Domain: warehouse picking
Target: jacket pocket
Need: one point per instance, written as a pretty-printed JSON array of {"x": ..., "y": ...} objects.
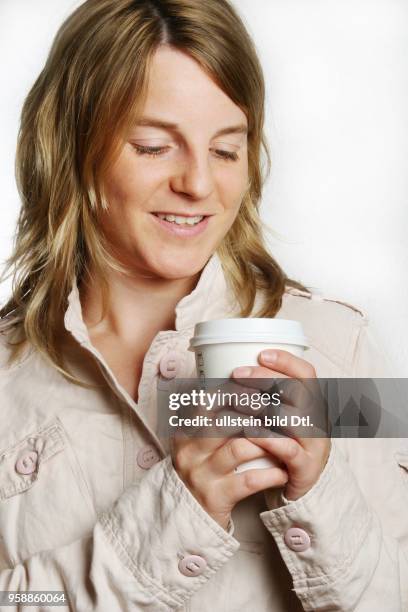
[
  {"x": 44, "y": 498},
  {"x": 21, "y": 463}
]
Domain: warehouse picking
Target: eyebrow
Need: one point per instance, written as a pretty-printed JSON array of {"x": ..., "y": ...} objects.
[{"x": 166, "y": 125}]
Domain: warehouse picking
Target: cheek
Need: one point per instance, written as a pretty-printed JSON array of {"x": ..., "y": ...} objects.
[
  {"x": 129, "y": 182},
  {"x": 233, "y": 190}
]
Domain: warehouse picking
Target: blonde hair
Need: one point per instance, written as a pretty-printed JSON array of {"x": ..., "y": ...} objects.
[{"x": 90, "y": 91}]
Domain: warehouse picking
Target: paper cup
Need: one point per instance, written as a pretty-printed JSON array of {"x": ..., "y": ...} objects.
[{"x": 221, "y": 345}]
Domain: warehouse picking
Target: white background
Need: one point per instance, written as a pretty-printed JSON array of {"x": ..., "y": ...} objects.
[{"x": 337, "y": 124}]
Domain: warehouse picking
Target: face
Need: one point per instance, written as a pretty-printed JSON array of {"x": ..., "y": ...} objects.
[{"x": 178, "y": 183}]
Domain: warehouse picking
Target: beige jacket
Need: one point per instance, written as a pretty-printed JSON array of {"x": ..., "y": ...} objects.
[{"x": 91, "y": 504}]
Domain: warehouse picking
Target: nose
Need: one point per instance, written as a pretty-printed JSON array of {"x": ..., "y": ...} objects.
[{"x": 193, "y": 177}]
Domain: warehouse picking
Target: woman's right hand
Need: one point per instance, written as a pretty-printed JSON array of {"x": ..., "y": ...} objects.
[{"x": 206, "y": 466}]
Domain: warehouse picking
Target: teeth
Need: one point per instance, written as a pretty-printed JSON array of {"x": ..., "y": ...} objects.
[{"x": 181, "y": 220}]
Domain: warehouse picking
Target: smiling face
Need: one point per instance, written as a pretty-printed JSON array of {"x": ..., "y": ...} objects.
[{"x": 186, "y": 157}]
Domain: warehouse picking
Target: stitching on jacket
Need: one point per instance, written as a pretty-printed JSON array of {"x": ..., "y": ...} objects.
[
  {"x": 313, "y": 582},
  {"x": 126, "y": 558},
  {"x": 312, "y": 592},
  {"x": 55, "y": 443},
  {"x": 298, "y": 572},
  {"x": 334, "y": 358},
  {"x": 180, "y": 593},
  {"x": 325, "y": 348},
  {"x": 310, "y": 295},
  {"x": 353, "y": 346},
  {"x": 79, "y": 475},
  {"x": 50, "y": 431},
  {"x": 347, "y": 305}
]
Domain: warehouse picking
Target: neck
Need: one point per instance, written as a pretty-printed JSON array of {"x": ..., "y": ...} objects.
[{"x": 136, "y": 303}]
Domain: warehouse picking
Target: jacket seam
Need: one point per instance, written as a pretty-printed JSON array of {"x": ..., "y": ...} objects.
[
  {"x": 6, "y": 369},
  {"x": 352, "y": 346},
  {"x": 291, "y": 512},
  {"x": 309, "y": 596},
  {"x": 331, "y": 356},
  {"x": 75, "y": 463},
  {"x": 53, "y": 430},
  {"x": 126, "y": 558},
  {"x": 315, "y": 583}
]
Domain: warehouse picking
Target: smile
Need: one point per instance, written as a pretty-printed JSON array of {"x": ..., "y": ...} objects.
[
  {"x": 179, "y": 225},
  {"x": 181, "y": 220}
]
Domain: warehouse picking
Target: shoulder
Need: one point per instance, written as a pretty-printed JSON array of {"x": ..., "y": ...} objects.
[
  {"x": 320, "y": 313},
  {"x": 5, "y": 349},
  {"x": 29, "y": 390},
  {"x": 18, "y": 379},
  {"x": 8, "y": 339},
  {"x": 319, "y": 301},
  {"x": 334, "y": 328}
]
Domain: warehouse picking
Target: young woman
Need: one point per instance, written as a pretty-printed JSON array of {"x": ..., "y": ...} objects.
[{"x": 139, "y": 168}]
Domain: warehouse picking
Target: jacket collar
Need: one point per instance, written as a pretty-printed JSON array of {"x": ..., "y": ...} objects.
[{"x": 210, "y": 298}]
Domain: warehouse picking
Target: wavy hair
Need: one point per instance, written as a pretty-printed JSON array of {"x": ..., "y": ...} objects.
[{"x": 89, "y": 92}]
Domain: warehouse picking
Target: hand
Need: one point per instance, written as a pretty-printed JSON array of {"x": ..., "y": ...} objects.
[
  {"x": 304, "y": 458},
  {"x": 206, "y": 465}
]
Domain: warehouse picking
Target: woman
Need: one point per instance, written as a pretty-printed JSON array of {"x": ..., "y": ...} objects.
[{"x": 139, "y": 172}]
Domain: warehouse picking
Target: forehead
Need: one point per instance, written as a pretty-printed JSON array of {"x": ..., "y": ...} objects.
[{"x": 181, "y": 91}]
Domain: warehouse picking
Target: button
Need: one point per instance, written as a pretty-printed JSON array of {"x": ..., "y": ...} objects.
[
  {"x": 147, "y": 456},
  {"x": 192, "y": 565},
  {"x": 27, "y": 463},
  {"x": 169, "y": 364},
  {"x": 297, "y": 539}
]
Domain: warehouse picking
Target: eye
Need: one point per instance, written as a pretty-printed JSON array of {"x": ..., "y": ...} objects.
[
  {"x": 152, "y": 151},
  {"x": 227, "y": 155},
  {"x": 156, "y": 151}
]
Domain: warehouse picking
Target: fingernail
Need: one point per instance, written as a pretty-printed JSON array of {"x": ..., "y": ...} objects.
[
  {"x": 269, "y": 356},
  {"x": 243, "y": 371}
]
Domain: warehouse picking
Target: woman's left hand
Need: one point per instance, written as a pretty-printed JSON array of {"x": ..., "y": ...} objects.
[{"x": 304, "y": 458}]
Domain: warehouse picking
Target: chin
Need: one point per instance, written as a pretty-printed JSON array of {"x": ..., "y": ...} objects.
[{"x": 181, "y": 267}]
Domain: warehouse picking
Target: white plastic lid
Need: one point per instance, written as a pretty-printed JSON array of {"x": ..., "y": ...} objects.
[{"x": 279, "y": 331}]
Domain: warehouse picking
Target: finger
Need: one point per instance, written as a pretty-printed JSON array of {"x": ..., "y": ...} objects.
[
  {"x": 289, "y": 364},
  {"x": 281, "y": 390},
  {"x": 243, "y": 399},
  {"x": 251, "y": 400},
  {"x": 299, "y": 422},
  {"x": 286, "y": 363},
  {"x": 206, "y": 440},
  {"x": 314, "y": 446},
  {"x": 259, "y": 377},
  {"x": 242, "y": 484},
  {"x": 195, "y": 398},
  {"x": 297, "y": 393},
  {"x": 233, "y": 453},
  {"x": 256, "y": 377},
  {"x": 285, "y": 449}
]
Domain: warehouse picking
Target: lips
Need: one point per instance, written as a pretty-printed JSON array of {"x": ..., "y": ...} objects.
[
  {"x": 180, "y": 214},
  {"x": 180, "y": 220},
  {"x": 181, "y": 230}
]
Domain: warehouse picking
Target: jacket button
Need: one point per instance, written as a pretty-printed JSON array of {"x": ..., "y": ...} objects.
[
  {"x": 147, "y": 456},
  {"x": 297, "y": 539},
  {"x": 169, "y": 364},
  {"x": 192, "y": 565},
  {"x": 27, "y": 463}
]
